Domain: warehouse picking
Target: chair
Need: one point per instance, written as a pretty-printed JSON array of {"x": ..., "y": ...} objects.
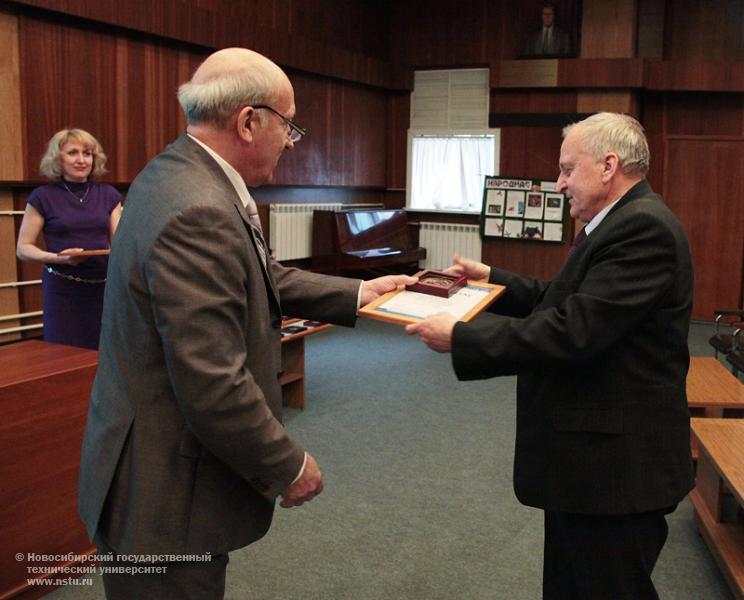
[
  {"x": 723, "y": 339},
  {"x": 735, "y": 356}
]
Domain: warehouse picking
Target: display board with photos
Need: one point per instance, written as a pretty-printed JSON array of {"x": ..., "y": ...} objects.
[{"x": 527, "y": 209}]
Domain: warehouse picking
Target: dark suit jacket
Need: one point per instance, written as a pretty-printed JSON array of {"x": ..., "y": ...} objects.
[
  {"x": 559, "y": 45},
  {"x": 184, "y": 440},
  {"x": 601, "y": 354}
]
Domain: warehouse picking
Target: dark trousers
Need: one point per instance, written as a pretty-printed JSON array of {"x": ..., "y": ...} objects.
[
  {"x": 601, "y": 557},
  {"x": 174, "y": 580}
]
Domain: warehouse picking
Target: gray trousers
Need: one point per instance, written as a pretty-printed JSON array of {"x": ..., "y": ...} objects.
[{"x": 182, "y": 580}]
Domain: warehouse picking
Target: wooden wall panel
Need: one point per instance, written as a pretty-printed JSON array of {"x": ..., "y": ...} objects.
[
  {"x": 704, "y": 185},
  {"x": 347, "y": 139},
  {"x": 530, "y": 152},
  {"x": 608, "y": 29},
  {"x": 538, "y": 101},
  {"x": 440, "y": 33},
  {"x": 710, "y": 30},
  {"x": 69, "y": 81},
  {"x": 314, "y": 36},
  {"x": 399, "y": 121},
  {"x": 11, "y": 158},
  {"x": 140, "y": 115}
]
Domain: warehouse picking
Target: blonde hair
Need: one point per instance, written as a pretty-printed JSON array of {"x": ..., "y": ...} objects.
[
  {"x": 51, "y": 165},
  {"x": 614, "y": 132}
]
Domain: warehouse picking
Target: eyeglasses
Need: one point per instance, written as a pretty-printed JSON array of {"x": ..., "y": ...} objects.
[{"x": 295, "y": 131}]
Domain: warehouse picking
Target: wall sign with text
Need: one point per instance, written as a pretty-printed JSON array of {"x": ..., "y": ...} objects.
[{"x": 527, "y": 209}]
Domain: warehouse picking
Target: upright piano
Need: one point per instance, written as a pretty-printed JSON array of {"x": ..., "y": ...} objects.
[{"x": 360, "y": 240}]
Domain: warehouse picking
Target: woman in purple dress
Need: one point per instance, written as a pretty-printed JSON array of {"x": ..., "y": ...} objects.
[{"x": 74, "y": 213}]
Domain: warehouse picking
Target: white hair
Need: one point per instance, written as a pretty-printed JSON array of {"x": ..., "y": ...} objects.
[
  {"x": 613, "y": 132},
  {"x": 213, "y": 101}
]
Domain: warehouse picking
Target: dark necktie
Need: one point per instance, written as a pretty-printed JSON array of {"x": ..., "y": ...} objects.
[{"x": 580, "y": 237}]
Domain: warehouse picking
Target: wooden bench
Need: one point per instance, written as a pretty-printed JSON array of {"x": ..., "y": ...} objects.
[
  {"x": 712, "y": 391},
  {"x": 718, "y": 497}
]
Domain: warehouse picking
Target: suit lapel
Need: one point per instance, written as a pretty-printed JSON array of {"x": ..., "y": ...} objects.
[{"x": 188, "y": 146}]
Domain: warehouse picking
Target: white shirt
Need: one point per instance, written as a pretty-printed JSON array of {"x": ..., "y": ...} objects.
[{"x": 599, "y": 217}]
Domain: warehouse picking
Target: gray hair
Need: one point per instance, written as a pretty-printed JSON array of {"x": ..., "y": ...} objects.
[
  {"x": 613, "y": 132},
  {"x": 214, "y": 101}
]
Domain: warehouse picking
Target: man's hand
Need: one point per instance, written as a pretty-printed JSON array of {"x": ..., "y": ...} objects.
[
  {"x": 309, "y": 485},
  {"x": 472, "y": 269},
  {"x": 435, "y": 332},
  {"x": 374, "y": 288}
]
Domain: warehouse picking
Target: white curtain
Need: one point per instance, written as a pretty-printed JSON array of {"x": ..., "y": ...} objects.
[{"x": 447, "y": 172}]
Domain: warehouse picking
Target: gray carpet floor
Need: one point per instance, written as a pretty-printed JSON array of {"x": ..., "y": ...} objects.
[{"x": 418, "y": 501}]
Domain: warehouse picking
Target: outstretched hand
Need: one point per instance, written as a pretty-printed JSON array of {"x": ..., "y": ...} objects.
[
  {"x": 472, "y": 269},
  {"x": 435, "y": 331},
  {"x": 374, "y": 288}
]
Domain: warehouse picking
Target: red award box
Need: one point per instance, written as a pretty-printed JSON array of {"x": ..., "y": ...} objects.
[{"x": 438, "y": 283}]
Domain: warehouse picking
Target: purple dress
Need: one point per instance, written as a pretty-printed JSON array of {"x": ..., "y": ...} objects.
[{"x": 78, "y": 218}]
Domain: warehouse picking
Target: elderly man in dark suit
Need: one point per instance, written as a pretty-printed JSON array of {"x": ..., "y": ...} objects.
[
  {"x": 184, "y": 452},
  {"x": 601, "y": 356}
]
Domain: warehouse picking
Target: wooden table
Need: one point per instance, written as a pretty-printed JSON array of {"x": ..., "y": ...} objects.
[
  {"x": 293, "y": 362},
  {"x": 711, "y": 389},
  {"x": 718, "y": 497},
  {"x": 44, "y": 391}
]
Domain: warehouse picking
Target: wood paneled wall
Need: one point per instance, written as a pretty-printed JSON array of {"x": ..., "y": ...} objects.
[
  {"x": 120, "y": 88},
  {"x": 113, "y": 68},
  {"x": 347, "y": 40}
]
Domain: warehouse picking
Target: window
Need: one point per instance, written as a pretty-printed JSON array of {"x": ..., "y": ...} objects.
[{"x": 446, "y": 170}]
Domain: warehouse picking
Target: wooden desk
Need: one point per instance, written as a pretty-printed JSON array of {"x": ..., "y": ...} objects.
[
  {"x": 711, "y": 389},
  {"x": 44, "y": 391},
  {"x": 719, "y": 484},
  {"x": 293, "y": 363}
]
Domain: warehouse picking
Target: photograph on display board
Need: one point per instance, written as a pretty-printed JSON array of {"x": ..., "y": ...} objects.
[
  {"x": 494, "y": 227},
  {"x": 522, "y": 208},
  {"x": 533, "y": 230},
  {"x": 513, "y": 228},
  {"x": 553, "y": 232},
  {"x": 554, "y": 207},
  {"x": 534, "y": 208},
  {"x": 514, "y": 203},
  {"x": 495, "y": 200}
]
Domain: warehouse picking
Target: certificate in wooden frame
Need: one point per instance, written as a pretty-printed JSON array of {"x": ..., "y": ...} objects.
[{"x": 380, "y": 309}]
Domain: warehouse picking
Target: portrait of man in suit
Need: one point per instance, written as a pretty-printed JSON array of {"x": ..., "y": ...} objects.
[
  {"x": 601, "y": 358},
  {"x": 184, "y": 451},
  {"x": 550, "y": 39}
]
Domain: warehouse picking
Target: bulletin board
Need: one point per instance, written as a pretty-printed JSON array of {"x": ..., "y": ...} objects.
[{"x": 525, "y": 209}]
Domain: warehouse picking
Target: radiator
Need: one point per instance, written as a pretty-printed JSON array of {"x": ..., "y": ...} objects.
[
  {"x": 443, "y": 240},
  {"x": 291, "y": 229}
]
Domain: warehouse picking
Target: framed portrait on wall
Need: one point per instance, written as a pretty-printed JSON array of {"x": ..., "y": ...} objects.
[{"x": 549, "y": 29}]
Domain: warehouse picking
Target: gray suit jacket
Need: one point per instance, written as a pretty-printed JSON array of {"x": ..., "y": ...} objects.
[
  {"x": 601, "y": 353},
  {"x": 184, "y": 450}
]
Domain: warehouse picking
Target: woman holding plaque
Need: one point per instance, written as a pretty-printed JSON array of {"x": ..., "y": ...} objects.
[{"x": 78, "y": 218}]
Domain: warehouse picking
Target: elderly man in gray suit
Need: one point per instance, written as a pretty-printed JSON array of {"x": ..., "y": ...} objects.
[{"x": 184, "y": 451}]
